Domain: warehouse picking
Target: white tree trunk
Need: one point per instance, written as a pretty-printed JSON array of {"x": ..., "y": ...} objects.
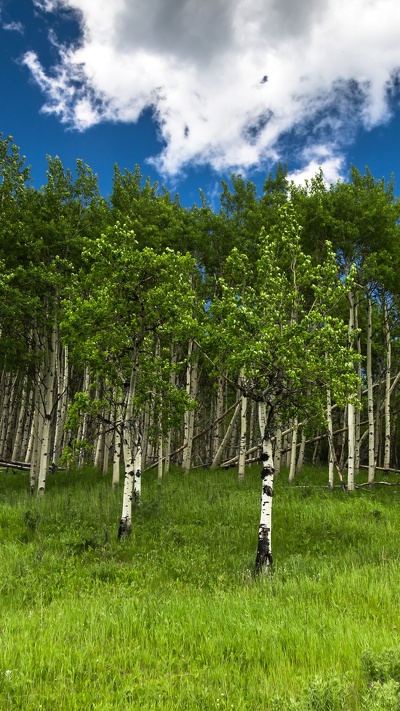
[
  {"x": 331, "y": 463},
  {"x": 278, "y": 447},
  {"x": 5, "y": 411},
  {"x": 243, "y": 435},
  {"x": 62, "y": 404},
  {"x": 217, "y": 459},
  {"x": 27, "y": 426},
  {"x": 167, "y": 461},
  {"x": 219, "y": 408},
  {"x": 191, "y": 390},
  {"x": 99, "y": 450},
  {"x": 351, "y": 408},
  {"x": 388, "y": 345},
  {"x": 125, "y": 526},
  {"x": 48, "y": 401},
  {"x": 302, "y": 449},
  {"x": 137, "y": 484},
  {"x": 264, "y": 548},
  {"x": 293, "y": 450},
  {"x": 370, "y": 396},
  {"x": 23, "y": 415},
  {"x": 85, "y": 421},
  {"x": 132, "y": 441},
  {"x": 34, "y": 453},
  {"x": 116, "y": 458},
  {"x": 108, "y": 438},
  {"x": 357, "y": 411}
]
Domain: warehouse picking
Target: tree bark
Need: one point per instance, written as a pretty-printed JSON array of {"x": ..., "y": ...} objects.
[
  {"x": 264, "y": 549},
  {"x": 46, "y": 412},
  {"x": 350, "y": 407},
  {"x": 191, "y": 390},
  {"x": 388, "y": 345},
  {"x": 370, "y": 395},
  {"x": 243, "y": 435},
  {"x": 293, "y": 451}
]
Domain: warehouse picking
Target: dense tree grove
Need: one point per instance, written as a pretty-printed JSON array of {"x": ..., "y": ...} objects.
[{"x": 136, "y": 333}]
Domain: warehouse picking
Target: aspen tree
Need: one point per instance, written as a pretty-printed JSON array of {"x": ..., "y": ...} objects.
[
  {"x": 287, "y": 363},
  {"x": 124, "y": 299}
]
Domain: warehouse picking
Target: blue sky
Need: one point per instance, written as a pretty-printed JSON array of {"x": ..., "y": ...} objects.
[{"x": 191, "y": 91}]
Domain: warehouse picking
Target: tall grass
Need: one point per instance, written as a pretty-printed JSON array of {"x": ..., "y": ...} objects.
[{"x": 174, "y": 619}]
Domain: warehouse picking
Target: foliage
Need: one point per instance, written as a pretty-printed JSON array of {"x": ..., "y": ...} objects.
[{"x": 276, "y": 319}]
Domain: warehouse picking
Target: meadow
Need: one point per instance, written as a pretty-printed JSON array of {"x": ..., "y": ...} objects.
[{"x": 174, "y": 619}]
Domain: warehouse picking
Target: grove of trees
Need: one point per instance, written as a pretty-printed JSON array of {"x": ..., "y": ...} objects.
[{"x": 136, "y": 333}]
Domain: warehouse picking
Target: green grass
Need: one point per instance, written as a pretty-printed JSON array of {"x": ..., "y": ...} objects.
[{"x": 173, "y": 619}]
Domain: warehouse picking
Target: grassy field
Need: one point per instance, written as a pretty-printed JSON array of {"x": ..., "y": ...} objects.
[{"x": 173, "y": 619}]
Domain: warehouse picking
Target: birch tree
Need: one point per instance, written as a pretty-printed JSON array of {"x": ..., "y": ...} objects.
[
  {"x": 118, "y": 307},
  {"x": 287, "y": 363}
]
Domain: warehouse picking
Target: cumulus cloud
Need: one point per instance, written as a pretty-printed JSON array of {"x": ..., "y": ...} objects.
[{"x": 230, "y": 82}]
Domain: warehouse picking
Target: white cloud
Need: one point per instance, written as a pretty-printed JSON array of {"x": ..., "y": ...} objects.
[
  {"x": 228, "y": 80},
  {"x": 13, "y": 27}
]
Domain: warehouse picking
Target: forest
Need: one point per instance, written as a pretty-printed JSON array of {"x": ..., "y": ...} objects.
[{"x": 140, "y": 338}]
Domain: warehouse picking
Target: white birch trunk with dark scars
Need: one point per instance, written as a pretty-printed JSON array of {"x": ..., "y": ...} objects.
[
  {"x": 132, "y": 447},
  {"x": 351, "y": 434},
  {"x": 264, "y": 549},
  {"x": 388, "y": 345},
  {"x": 371, "y": 424}
]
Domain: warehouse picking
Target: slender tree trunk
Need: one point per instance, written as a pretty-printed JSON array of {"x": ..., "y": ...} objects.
[
  {"x": 168, "y": 444},
  {"x": 85, "y": 420},
  {"x": 191, "y": 390},
  {"x": 343, "y": 439},
  {"x": 243, "y": 434},
  {"x": 137, "y": 484},
  {"x": 48, "y": 402},
  {"x": 22, "y": 416},
  {"x": 62, "y": 404},
  {"x": 370, "y": 395},
  {"x": 278, "y": 447},
  {"x": 219, "y": 408},
  {"x": 351, "y": 408},
  {"x": 293, "y": 450},
  {"x": 34, "y": 454},
  {"x": 116, "y": 457},
  {"x": 147, "y": 446},
  {"x": 5, "y": 412},
  {"x": 357, "y": 412},
  {"x": 330, "y": 438},
  {"x": 132, "y": 440},
  {"x": 264, "y": 549},
  {"x": 108, "y": 438},
  {"x": 300, "y": 458},
  {"x": 217, "y": 459},
  {"x": 99, "y": 450},
  {"x": 125, "y": 525},
  {"x": 388, "y": 345},
  {"x": 27, "y": 426}
]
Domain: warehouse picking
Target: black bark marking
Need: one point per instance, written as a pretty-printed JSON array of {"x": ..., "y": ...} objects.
[
  {"x": 264, "y": 457},
  {"x": 267, "y": 490}
]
